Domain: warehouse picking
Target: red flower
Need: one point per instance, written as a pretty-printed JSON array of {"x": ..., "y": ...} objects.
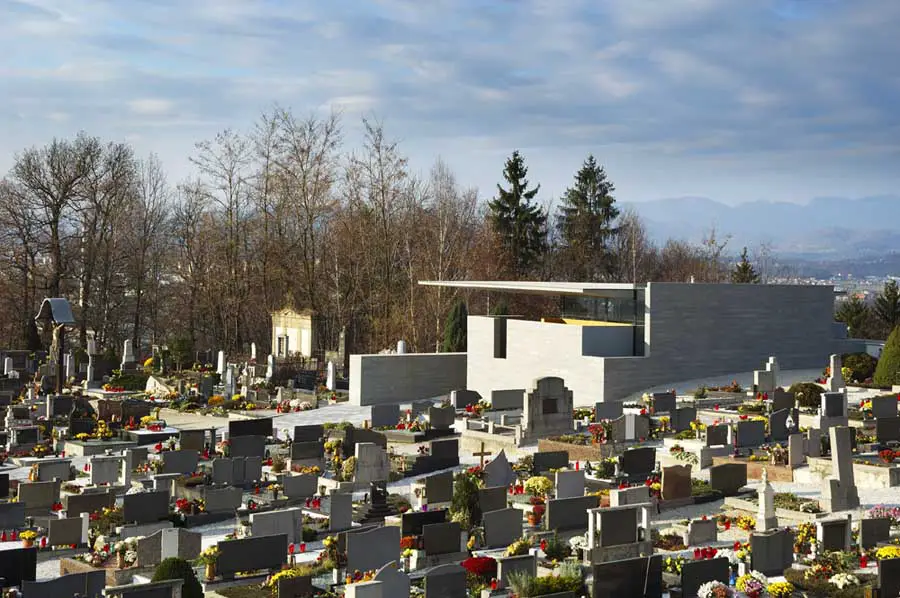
[
  {"x": 737, "y": 545},
  {"x": 716, "y": 406},
  {"x": 291, "y": 548},
  {"x": 696, "y": 553},
  {"x": 643, "y": 411},
  {"x": 481, "y": 566},
  {"x": 543, "y": 544}
]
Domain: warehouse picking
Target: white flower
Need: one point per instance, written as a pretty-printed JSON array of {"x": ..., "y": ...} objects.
[
  {"x": 714, "y": 589},
  {"x": 130, "y": 556},
  {"x": 119, "y": 547},
  {"x": 844, "y": 580},
  {"x": 727, "y": 552},
  {"x": 578, "y": 542}
]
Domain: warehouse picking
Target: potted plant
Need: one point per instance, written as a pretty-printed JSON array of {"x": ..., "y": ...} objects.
[
  {"x": 209, "y": 557},
  {"x": 27, "y": 538},
  {"x": 275, "y": 489},
  {"x": 121, "y": 548}
]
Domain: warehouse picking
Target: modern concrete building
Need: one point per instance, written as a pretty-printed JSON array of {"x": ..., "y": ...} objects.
[{"x": 613, "y": 340}]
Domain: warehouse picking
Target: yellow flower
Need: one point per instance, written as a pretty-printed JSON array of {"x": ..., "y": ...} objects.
[
  {"x": 887, "y": 552},
  {"x": 781, "y": 589}
]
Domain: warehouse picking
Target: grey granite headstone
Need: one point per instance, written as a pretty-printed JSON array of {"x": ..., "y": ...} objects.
[
  {"x": 192, "y": 439},
  {"x": 251, "y": 554},
  {"x": 247, "y": 446},
  {"x": 341, "y": 510},
  {"x": 299, "y": 486},
  {"x": 889, "y": 577},
  {"x": 728, "y": 478},
  {"x": 385, "y": 415},
  {"x": 873, "y": 531},
  {"x": 663, "y": 402},
  {"x": 526, "y": 563},
  {"x": 778, "y": 429},
  {"x": 772, "y": 552},
  {"x": 179, "y": 461},
  {"x": 492, "y": 499},
  {"x": 569, "y": 483},
  {"x": 884, "y": 406},
  {"x": 607, "y": 410},
  {"x": 283, "y": 521},
  {"x": 750, "y": 434},
  {"x": 64, "y": 532},
  {"x": 76, "y": 504},
  {"x": 781, "y": 400},
  {"x": 441, "y": 418},
  {"x": 508, "y": 399},
  {"x": 89, "y": 584},
  {"x": 445, "y": 581},
  {"x": 441, "y": 538},
  {"x": 463, "y": 398},
  {"x": 695, "y": 573},
  {"x": 394, "y": 582},
  {"x": 681, "y": 418},
  {"x": 565, "y": 514},
  {"x": 146, "y": 507},
  {"x": 498, "y": 472},
  {"x": 618, "y": 527},
  {"x": 439, "y": 487},
  {"x": 222, "y": 500},
  {"x": 717, "y": 435},
  {"x": 412, "y": 522},
  {"x": 55, "y": 469},
  {"x": 638, "y": 577},
  {"x": 369, "y": 550},
  {"x": 447, "y": 448},
  {"x": 309, "y": 433},
  {"x": 307, "y": 450},
  {"x": 834, "y": 404},
  {"x": 502, "y": 528},
  {"x": 12, "y": 515}
]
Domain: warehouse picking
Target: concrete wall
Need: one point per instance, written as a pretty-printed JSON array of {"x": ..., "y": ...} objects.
[
  {"x": 392, "y": 378},
  {"x": 692, "y": 331}
]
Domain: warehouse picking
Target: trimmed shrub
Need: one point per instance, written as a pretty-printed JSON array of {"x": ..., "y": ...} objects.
[
  {"x": 175, "y": 568},
  {"x": 861, "y": 366},
  {"x": 808, "y": 394},
  {"x": 887, "y": 372}
]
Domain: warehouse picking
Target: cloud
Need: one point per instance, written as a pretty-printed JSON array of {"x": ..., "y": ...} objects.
[{"x": 711, "y": 97}]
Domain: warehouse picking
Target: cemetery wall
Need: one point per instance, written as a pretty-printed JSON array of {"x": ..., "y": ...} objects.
[
  {"x": 690, "y": 333},
  {"x": 393, "y": 378}
]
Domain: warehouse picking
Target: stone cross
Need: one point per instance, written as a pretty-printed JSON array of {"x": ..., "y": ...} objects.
[
  {"x": 836, "y": 380},
  {"x": 840, "y": 489},
  {"x": 7, "y": 365},
  {"x": 482, "y": 454}
]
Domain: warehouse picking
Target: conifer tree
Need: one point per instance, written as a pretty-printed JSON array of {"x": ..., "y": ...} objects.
[
  {"x": 520, "y": 224},
  {"x": 585, "y": 223},
  {"x": 455, "y": 329},
  {"x": 887, "y": 306},
  {"x": 744, "y": 272},
  {"x": 855, "y": 314},
  {"x": 887, "y": 372}
]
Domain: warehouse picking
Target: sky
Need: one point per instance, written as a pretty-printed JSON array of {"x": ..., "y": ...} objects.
[{"x": 735, "y": 100}]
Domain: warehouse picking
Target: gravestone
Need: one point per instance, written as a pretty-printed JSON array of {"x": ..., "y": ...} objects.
[
  {"x": 299, "y": 486},
  {"x": 548, "y": 408},
  {"x": 835, "y": 381},
  {"x": 569, "y": 484},
  {"x": 369, "y": 550},
  {"x": 565, "y": 514},
  {"x": 781, "y": 400},
  {"x": 766, "y": 519},
  {"x": 638, "y": 462},
  {"x": 38, "y": 497},
  {"x": 439, "y": 488},
  {"x": 385, "y": 415},
  {"x": 463, "y": 398},
  {"x": 307, "y": 450},
  {"x": 635, "y": 495},
  {"x": 12, "y": 515},
  {"x": 89, "y": 584},
  {"x": 440, "y": 538},
  {"x": 146, "y": 507},
  {"x": 394, "y": 582},
  {"x": 840, "y": 493},
  {"x": 544, "y": 461},
  {"x": 502, "y": 527},
  {"x": 681, "y": 418},
  {"x": 18, "y": 565},
  {"x": 309, "y": 433},
  {"x": 283, "y": 521},
  {"x": 663, "y": 402},
  {"x": 166, "y": 543},
  {"x": 772, "y": 552},
  {"x": 108, "y": 470},
  {"x": 492, "y": 499},
  {"x": 507, "y": 399},
  {"x": 441, "y": 418},
  {"x": 638, "y": 578},
  {"x": 618, "y": 526},
  {"x": 676, "y": 482},
  {"x": 412, "y": 522},
  {"x": 222, "y": 500},
  {"x": 701, "y": 532},
  {"x": 750, "y": 434},
  {"x": 251, "y": 554},
  {"x": 887, "y": 429},
  {"x": 885, "y": 406},
  {"x": 498, "y": 472},
  {"x": 59, "y": 406},
  {"x": 4, "y": 485},
  {"x": 445, "y": 581},
  {"x": 445, "y": 449},
  {"x": 833, "y": 535},
  {"x": 247, "y": 446},
  {"x": 55, "y": 469},
  {"x": 526, "y": 563},
  {"x": 136, "y": 456},
  {"x": 796, "y": 450},
  {"x": 607, "y": 410},
  {"x": 179, "y": 461},
  {"x": 778, "y": 429},
  {"x": 341, "y": 510},
  {"x": 834, "y": 404},
  {"x": 698, "y": 572},
  {"x": 250, "y": 427},
  {"x": 717, "y": 435},
  {"x": 192, "y": 440},
  {"x": 66, "y": 531},
  {"x": 630, "y": 427},
  {"x": 889, "y": 577},
  {"x": 372, "y": 463},
  {"x": 728, "y": 478},
  {"x": 874, "y": 531}
]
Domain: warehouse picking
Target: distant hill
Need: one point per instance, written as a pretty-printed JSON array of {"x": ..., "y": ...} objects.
[{"x": 827, "y": 229}]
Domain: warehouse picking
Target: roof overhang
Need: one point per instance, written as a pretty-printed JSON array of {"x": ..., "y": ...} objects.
[{"x": 578, "y": 289}]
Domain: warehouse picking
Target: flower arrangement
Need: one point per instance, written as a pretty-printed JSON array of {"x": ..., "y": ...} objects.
[
  {"x": 359, "y": 576},
  {"x": 272, "y": 582},
  {"x": 480, "y": 566},
  {"x": 819, "y": 572},
  {"x": 215, "y": 400},
  {"x": 673, "y": 564},
  {"x": 714, "y": 589},
  {"x": 844, "y": 580},
  {"x": 519, "y": 547},
  {"x": 28, "y": 535},
  {"x": 888, "y": 456},
  {"x": 888, "y": 552},
  {"x": 82, "y": 436},
  {"x": 538, "y": 486},
  {"x": 781, "y": 589},
  {"x": 882, "y": 511},
  {"x": 752, "y": 584},
  {"x": 805, "y": 538},
  {"x": 409, "y": 542},
  {"x": 746, "y": 523},
  {"x": 208, "y": 556}
]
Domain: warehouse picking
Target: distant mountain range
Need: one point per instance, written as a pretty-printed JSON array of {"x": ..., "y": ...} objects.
[{"x": 827, "y": 229}]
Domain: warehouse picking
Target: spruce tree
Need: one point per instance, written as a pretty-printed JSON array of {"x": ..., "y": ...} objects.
[
  {"x": 744, "y": 272},
  {"x": 519, "y": 223},
  {"x": 887, "y": 372},
  {"x": 855, "y": 314},
  {"x": 455, "y": 329},
  {"x": 585, "y": 223},
  {"x": 887, "y": 306}
]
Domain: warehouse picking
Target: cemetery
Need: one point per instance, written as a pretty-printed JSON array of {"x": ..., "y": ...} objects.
[{"x": 236, "y": 479}]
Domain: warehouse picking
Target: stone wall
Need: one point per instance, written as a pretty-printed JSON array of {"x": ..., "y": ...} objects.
[{"x": 392, "y": 378}]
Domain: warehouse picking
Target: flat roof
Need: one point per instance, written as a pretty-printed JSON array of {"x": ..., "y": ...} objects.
[{"x": 589, "y": 289}]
